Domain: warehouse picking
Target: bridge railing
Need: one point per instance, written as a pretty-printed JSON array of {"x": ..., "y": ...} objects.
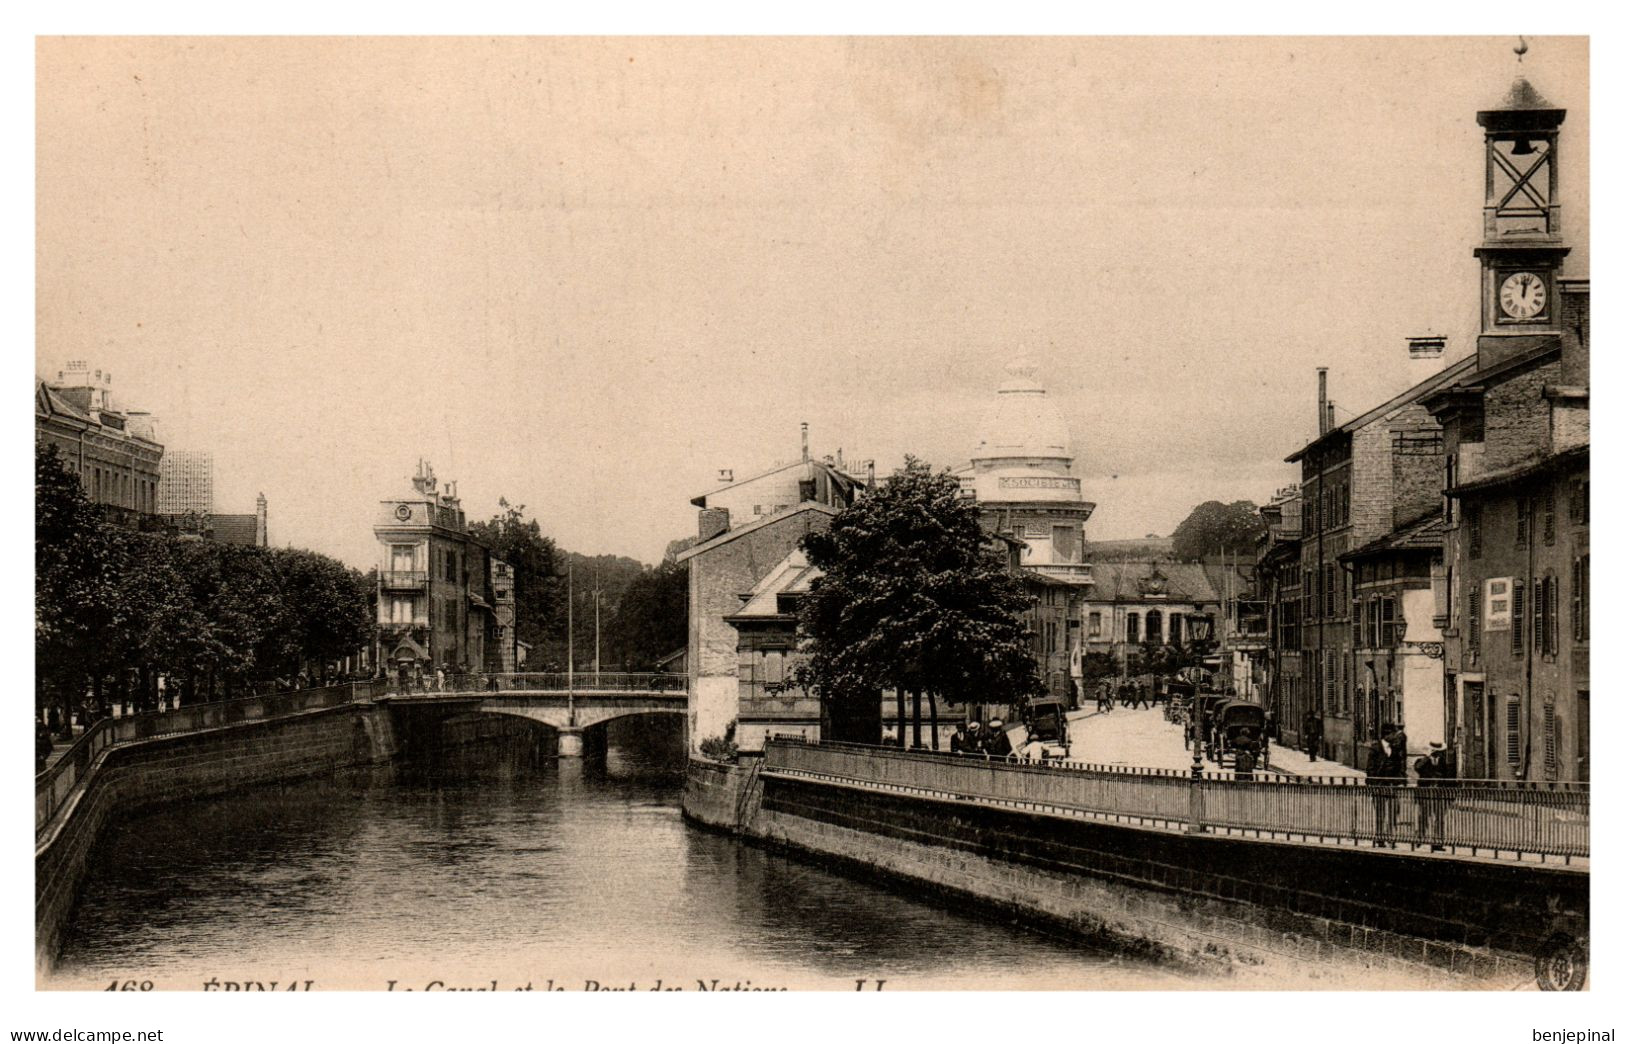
[
  {"x": 56, "y": 782},
  {"x": 557, "y": 681},
  {"x": 1468, "y": 817}
]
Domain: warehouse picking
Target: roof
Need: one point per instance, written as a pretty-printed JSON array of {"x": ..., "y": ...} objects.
[
  {"x": 1509, "y": 476},
  {"x": 1404, "y": 398},
  {"x": 750, "y": 527},
  {"x": 235, "y": 529},
  {"x": 1133, "y": 582},
  {"x": 840, "y": 477},
  {"x": 793, "y": 575},
  {"x": 1425, "y": 534}
]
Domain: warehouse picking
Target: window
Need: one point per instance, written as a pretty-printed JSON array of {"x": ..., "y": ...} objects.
[
  {"x": 1517, "y": 617},
  {"x": 1309, "y": 595},
  {"x": 400, "y": 609},
  {"x": 758, "y": 509},
  {"x": 1175, "y": 632},
  {"x": 1094, "y": 625},
  {"x": 1525, "y": 510},
  {"x": 1514, "y": 733},
  {"x": 1344, "y": 490},
  {"x": 1580, "y": 502},
  {"x": 1359, "y": 622},
  {"x": 1133, "y": 634},
  {"x": 1550, "y": 648},
  {"x": 1579, "y": 594},
  {"x": 1549, "y": 517},
  {"x": 1449, "y": 484},
  {"x": 1475, "y": 531},
  {"x": 1474, "y": 604},
  {"x": 1387, "y": 622},
  {"x": 401, "y": 558},
  {"x": 1153, "y": 627}
]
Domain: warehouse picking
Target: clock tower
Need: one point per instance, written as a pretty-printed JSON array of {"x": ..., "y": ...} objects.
[{"x": 1522, "y": 251}]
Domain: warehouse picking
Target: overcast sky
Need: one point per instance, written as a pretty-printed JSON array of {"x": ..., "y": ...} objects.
[{"x": 585, "y": 274}]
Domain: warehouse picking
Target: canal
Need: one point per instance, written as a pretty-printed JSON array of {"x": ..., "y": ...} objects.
[{"x": 491, "y": 863}]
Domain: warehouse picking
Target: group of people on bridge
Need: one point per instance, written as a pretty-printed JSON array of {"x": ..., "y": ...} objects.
[{"x": 971, "y": 740}]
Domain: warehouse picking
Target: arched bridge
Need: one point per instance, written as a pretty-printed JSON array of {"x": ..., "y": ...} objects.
[{"x": 567, "y": 705}]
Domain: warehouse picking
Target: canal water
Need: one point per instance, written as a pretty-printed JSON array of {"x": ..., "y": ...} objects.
[{"x": 495, "y": 865}]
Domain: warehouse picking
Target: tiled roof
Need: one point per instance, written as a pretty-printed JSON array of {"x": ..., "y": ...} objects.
[
  {"x": 1128, "y": 582},
  {"x": 1426, "y": 534}
]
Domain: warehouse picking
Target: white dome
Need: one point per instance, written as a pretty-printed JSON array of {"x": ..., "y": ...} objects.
[{"x": 1023, "y": 420}]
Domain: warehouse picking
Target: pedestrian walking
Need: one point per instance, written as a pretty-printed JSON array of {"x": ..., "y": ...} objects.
[
  {"x": 997, "y": 744},
  {"x": 959, "y": 742},
  {"x": 1311, "y": 734},
  {"x": 1381, "y": 780}
]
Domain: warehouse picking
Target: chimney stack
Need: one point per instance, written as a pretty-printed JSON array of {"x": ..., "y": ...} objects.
[
  {"x": 1324, "y": 416},
  {"x": 806, "y": 455},
  {"x": 1331, "y": 415}
]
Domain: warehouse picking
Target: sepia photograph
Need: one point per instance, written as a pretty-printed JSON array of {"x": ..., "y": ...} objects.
[{"x": 812, "y": 513}]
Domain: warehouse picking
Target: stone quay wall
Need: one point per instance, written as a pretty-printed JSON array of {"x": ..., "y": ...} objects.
[
  {"x": 1260, "y": 912},
  {"x": 133, "y": 776}
]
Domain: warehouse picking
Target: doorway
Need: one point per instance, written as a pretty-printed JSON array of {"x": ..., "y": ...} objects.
[{"x": 1477, "y": 755}]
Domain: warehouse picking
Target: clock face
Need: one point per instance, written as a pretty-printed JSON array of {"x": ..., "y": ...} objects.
[
  {"x": 403, "y": 512},
  {"x": 1523, "y": 295}
]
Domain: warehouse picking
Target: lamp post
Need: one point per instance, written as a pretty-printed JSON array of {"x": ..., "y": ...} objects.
[{"x": 1201, "y": 629}]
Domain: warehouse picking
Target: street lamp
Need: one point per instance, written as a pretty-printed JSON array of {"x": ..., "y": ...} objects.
[{"x": 1200, "y": 629}]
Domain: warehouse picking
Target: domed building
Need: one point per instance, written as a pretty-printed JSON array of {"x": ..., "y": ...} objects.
[{"x": 1021, "y": 477}]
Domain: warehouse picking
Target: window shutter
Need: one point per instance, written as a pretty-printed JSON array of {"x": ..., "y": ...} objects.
[
  {"x": 1359, "y": 621},
  {"x": 1550, "y": 648},
  {"x": 1474, "y": 603},
  {"x": 1514, "y": 734},
  {"x": 1551, "y": 741},
  {"x": 1517, "y": 617},
  {"x": 1539, "y": 643},
  {"x": 1550, "y": 513}
]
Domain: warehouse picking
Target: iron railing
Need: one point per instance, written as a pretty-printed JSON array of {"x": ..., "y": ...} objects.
[
  {"x": 54, "y": 784},
  {"x": 402, "y": 579},
  {"x": 1467, "y": 817},
  {"x": 431, "y": 684}
]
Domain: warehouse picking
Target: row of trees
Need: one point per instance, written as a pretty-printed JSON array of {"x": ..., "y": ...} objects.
[
  {"x": 915, "y": 599},
  {"x": 114, "y": 608}
]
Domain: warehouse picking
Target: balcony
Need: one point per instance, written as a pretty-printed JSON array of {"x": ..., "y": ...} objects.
[{"x": 399, "y": 580}]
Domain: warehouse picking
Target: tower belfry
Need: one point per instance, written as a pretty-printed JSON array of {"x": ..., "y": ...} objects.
[{"x": 1522, "y": 250}]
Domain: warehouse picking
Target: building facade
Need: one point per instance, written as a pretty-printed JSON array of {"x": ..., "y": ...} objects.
[
  {"x": 434, "y": 602},
  {"x": 186, "y": 483},
  {"x": 118, "y": 468},
  {"x": 1515, "y": 594},
  {"x": 1279, "y": 577}
]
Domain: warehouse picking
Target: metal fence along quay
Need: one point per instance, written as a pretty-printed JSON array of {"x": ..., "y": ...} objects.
[
  {"x": 53, "y": 785},
  {"x": 1543, "y": 822}
]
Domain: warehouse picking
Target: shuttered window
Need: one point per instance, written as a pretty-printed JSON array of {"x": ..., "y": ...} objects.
[
  {"x": 1387, "y": 622},
  {"x": 1518, "y": 616},
  {"x": 1549, "y": 515},
  {"x": 1359, "y": 621},
  {"x": 1475, "y": 531},
  {"x": 1514, "y": 733},
  {"x": 1579, "y": 592},
  {"x": 1474, "y": 604}
]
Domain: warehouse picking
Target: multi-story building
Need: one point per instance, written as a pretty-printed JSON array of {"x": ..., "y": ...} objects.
[
  {"x": 1514, "y": 598},
  {"x": 747, "y": 531},
  {"x": 1360, "y": 481},
  {"x": 434, "y": 604},
  {"x": 1133, "y": 606},
  {"x": 186, "y": 483},
  {"x": 1279, "y": 574},
  {"x": 117, "y": 466}
]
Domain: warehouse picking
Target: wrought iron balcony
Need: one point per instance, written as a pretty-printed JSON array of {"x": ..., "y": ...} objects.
[{"x": 403, "y": 580}]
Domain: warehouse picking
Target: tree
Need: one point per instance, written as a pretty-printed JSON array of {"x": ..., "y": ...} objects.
[
  {"x": 913, "y": 598},
  {"x": 538, "y": 567},
  {"x": 651, "y": 617},
  {"x": 1098, "y": 666},
  {"x": 1213, "y": 528},
  {"x": 76, "y": 568}
]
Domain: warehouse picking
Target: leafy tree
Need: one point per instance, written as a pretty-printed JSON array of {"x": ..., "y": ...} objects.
[
  {"x": 76, "y": 569},
  {"x": 1214, "y": 527},
  {"x": 1098, "y": 666},
  {"x": 651, "y": 617},
  {"x": 915, "y": 599},
  {"x": 538, "y": 567}
]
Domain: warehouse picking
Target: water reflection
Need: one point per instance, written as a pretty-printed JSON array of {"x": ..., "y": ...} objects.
[{"x": 490, "y": 863}]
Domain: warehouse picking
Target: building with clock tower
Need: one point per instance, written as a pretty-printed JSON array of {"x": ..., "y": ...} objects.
[
  {"x": 1514, "y": 597},
  {"x": 436, "y": 606}
]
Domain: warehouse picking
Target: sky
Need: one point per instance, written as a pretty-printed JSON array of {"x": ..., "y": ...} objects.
[{"x": 585, "y": 274}]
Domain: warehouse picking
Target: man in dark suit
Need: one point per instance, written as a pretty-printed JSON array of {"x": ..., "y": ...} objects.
[
  {"x": 1381, "y": 759},
  {"x": 1311, "y": 734}
]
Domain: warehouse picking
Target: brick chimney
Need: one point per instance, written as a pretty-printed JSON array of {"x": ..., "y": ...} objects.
[{"x": 713, "y": 522}]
